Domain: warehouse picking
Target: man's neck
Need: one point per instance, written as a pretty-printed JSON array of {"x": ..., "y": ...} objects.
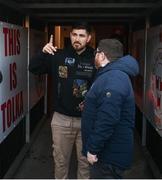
[{"x": 82, "y": 50}]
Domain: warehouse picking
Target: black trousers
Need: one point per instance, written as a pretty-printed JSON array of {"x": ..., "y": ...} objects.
[{"x": 105, "y": 171}]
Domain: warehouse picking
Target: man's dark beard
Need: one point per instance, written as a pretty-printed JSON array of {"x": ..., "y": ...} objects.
[
  {"x": 77, "y": 47},
  {"x": 76, "y": 44}
]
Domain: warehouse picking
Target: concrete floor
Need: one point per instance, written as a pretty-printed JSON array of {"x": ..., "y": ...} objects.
[{"x": 38, "y": 160}]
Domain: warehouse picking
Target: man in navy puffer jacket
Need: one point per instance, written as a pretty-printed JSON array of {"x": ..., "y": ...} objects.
[{"x": 109, "y": 112}]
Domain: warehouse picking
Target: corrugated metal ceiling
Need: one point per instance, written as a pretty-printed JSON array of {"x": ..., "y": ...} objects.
[{"x": 91, "y": 10}]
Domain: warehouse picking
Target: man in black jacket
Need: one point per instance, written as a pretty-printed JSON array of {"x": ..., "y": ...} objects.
[{"x": 72, "y": 72}]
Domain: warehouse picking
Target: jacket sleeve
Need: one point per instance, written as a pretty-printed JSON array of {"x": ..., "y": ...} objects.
[
  {"x": 40, "y": 63},
  {"x": 109, "y": 103}
]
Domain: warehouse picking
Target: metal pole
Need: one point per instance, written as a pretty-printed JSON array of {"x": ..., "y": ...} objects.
[
  {"x": 46, "y": 80},
  {"x": 147, "y": 24},
  {"x": 27, "y": 25}
]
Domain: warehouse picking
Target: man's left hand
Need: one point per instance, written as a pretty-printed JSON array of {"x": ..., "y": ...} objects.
[{"x": 91, "y": 158}]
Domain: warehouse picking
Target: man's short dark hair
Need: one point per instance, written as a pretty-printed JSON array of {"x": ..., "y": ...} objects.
[
  {"x": 111, "y": 47},
  {"x": 82, "y": 25}
]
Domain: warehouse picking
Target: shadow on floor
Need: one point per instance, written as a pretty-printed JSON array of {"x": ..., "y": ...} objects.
[{"x": 38, "y": 162}]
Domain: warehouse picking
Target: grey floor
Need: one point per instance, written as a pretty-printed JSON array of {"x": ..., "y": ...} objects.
[{"x": 38, "y": 161}]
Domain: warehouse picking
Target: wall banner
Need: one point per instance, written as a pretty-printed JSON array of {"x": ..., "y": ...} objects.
[
  {"x": 13, "y": 77},
  {"x": 153, "y": 104}
]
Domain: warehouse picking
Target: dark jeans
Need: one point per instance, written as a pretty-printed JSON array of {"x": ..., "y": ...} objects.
[{"x": 104, "y": 171}]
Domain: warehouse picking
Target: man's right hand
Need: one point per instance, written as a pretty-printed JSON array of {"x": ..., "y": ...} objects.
[{"x": 49, "y": 48}]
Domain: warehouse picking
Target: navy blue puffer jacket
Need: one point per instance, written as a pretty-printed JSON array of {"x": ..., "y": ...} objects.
[{"x": 109, "y": 113}]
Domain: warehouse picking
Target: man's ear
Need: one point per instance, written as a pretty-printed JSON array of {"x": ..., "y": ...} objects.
[
  {"x": 89, "y": 38},
  {"x": 103, "y": 56}
]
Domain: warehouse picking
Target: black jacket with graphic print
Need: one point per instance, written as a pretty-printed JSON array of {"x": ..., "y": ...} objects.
[{"x": 71, "y": 75}]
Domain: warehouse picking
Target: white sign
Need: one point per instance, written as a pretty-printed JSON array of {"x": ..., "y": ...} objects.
[
  {"x": 13, "y": 85},
  {"x": 153, "y": 104}
]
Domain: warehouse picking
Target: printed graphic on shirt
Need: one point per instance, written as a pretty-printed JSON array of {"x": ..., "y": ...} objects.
[
  {"x": 69, "y": 61},
  {"x": 84, "y": 69},
  {"x": 80, "y": 88},
  {"x": 63, "y": 71}
]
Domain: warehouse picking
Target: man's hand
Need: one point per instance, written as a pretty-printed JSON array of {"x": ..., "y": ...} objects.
[
  {"x": 49, "y": 48},
  {"x": 81, "y": 106},
  {"x": 91, "y": 158}
]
